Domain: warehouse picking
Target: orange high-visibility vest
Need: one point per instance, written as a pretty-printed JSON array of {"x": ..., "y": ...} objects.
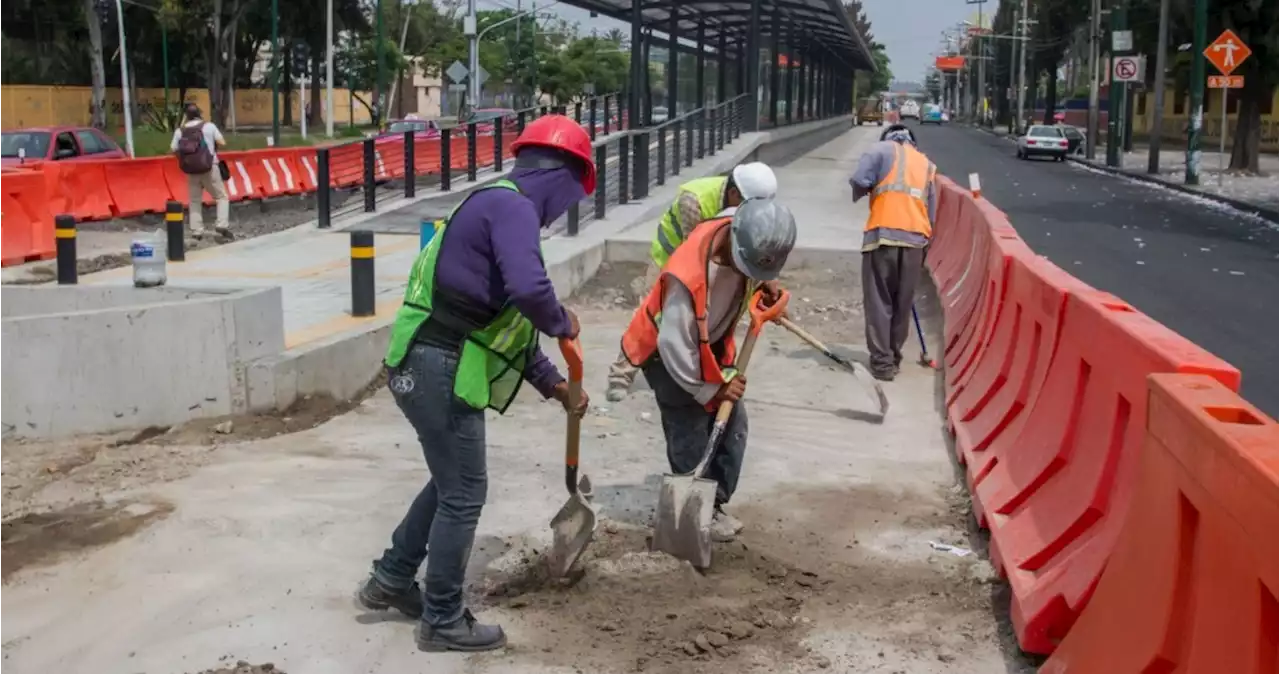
[
  {"x": 898, "y": 202},
  {"x": 688, "y": 265}
]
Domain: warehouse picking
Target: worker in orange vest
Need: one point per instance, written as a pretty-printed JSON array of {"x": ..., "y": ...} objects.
[
  {"x": 681, "y": 337},
  {"x": 900, "y": 180}
]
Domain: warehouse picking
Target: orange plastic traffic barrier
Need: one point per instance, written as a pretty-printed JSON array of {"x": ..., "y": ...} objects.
[
  {"x": 82, "y": 189},
  {"x": 280, "y": 171},
  {"x": 138, "y": 186},
  {"x": 963, "y": 291},
  {"x": 1191, "y": 585},
  {"x": 988, "y": 411},
  {"x": 305, "y": 159},
  {"x": 944, "y": 230},
  {"x": 179, "y": 184},
  {"x": 426, "y": 156},
  {"x": 987, "y": 283},
  {"x": 951, "y": 248},
  {"x": 1052, "y": 504},
  {"x": 247, "y": 176},
  {"x": 389, "y": 157},
  {"x": 26, "y": 226},
  {"x": 346, "y": 165}
]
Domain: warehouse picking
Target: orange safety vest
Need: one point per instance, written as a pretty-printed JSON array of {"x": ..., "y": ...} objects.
[
  {"x": 898, "y": 207},
  {"x": 688, "y": 265}
]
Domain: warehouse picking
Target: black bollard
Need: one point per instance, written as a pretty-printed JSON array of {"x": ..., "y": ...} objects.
[
  {"x": 175, "y": 231},
  {"x": 362, "y": 287},
  {"x": 64, "y": 231}
]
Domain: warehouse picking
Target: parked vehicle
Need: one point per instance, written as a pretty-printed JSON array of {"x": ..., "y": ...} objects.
[
  {"x": 57, "y": 143},
  {"x": 933, "y": 115},
  {"x": 424, "y": 129},
  {"x": 870, "y": 109},
  {"x": 485, "y": 119},
  {"x": 660, "y": 115},
  {"x": 1043, "y": 140}
]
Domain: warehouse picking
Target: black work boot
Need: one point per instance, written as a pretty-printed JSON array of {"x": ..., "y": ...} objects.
[
  {"x": 378, "y": 597},
  {"x": 466, "y": 634}
]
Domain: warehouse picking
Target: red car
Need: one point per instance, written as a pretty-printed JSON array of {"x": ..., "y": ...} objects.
[{"x": 57, "y": 143}]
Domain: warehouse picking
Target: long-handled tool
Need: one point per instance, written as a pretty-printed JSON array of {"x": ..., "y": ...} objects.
[
  {"x": 873, "y": 389},
  {"x": 575, "y": 524},
  {"x": 682, "y": 526},
  {"x": 925, "y": 360}
]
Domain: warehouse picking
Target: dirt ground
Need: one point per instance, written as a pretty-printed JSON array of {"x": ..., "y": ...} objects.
[{"x": 837, "y": 570}]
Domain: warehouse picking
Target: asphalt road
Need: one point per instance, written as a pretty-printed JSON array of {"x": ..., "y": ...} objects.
[{"x": 1205, "y": 271}]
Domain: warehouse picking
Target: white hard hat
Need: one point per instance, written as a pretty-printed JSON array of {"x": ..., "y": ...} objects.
[{"x": 755, "y": 180}]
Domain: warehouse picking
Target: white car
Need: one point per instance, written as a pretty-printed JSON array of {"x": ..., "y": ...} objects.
[{"x": 1043, "y": 140}]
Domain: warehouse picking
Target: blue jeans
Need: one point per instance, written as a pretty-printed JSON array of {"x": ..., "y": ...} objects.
[{"x": 447, "y": 509}]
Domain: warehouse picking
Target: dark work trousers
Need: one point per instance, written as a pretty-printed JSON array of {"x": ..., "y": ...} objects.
[
  {"x": 687, "y": 427},
  {"x": 447, "y": 509},
  {"x": 889, "y": 275}
]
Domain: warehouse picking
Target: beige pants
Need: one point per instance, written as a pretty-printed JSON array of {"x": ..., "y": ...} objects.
[
  {"x": 210, "y": 182},
  {"x": 622, "y": 373}
]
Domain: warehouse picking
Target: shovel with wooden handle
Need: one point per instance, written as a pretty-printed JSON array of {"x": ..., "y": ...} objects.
[
  {"x": 686, "y": 503},
  {"x": 575, "y": 524},
  {"x": 873, "y": 389}
]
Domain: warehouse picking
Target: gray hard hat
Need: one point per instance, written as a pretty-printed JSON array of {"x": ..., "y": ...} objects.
[{"x": 764, "y": 232}]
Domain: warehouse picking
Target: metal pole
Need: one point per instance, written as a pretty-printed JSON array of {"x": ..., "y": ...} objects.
[
  {"x": 1022, "y": 71},
  {"x": 638, "y": 67},
  {"x": 124, "y": 80},
  {"x": 473, "y": 59},
  {"x": 1115, "y": 94},
  {"x": 1222, "y": 137},
  {"x": 302, "y": 103},
  {"x": 982, "y": 69},
  {"x": 328, "y": 68},
  {"x": 520, "y": 51},
  {"x": 673, "y": 70},
  {"x": 1157, "y": 115},
  {"x": 1198, "y": 44},
  {"x": 379, "y": 105},
  {"x": 275, "y": 73},
  {"x": 751, "y": 61},
  {"x": 1091, "y": 133}
]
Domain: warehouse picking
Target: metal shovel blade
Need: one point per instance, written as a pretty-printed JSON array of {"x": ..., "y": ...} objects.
[
  {"x": 682, "y": 527},
  {"x": 571, "y": 532}
]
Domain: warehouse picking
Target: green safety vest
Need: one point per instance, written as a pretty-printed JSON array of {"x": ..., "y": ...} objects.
[
  {"x": 710, "y": 193},
  {"x": 493, "y": 359}
]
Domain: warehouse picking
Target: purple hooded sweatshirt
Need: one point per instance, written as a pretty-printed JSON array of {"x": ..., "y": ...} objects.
[{"x": 492, "y": 254}]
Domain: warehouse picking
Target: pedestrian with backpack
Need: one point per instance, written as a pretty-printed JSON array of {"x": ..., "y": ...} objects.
[{"x": 195, "y": 143}]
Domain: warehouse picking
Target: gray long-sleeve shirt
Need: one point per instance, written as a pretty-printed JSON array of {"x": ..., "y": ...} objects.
[
  {"x": 874, "y": 167},
  {"x": 678, "y": 332}
]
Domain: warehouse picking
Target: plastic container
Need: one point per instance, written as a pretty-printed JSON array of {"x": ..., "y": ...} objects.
[
  {"x": 427, "y": 231},
  {"x": 148, "y": 262}
]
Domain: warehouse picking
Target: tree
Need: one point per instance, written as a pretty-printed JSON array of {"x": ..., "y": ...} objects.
[
  {"x": 357, "y": 59},
  {"x": 98, "y": 107},
  {"x": 1255, "y": 22},
  {"x": 592, "y": 59}
]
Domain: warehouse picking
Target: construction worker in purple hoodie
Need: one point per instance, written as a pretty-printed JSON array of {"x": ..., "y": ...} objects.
[{"x": 466, "y": 336}]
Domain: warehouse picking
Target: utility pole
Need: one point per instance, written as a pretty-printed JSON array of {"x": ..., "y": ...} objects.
[
  {"x": 1091, "y": 134},
  {"x": 1115, "y": 92},
  {"x": 1198, "y": 44},
  {"x": 1023, "y": 30},
  {"x": 328, "y": 68},
  {"x": 275, "y": 73},
  {"x": 378, "y": 103},
  {"x": 520, "y": 52},
  {"x": 124, "y": 81},
  {"x": 473, "y": 56},
  {"x": 1157, "y": 116}
]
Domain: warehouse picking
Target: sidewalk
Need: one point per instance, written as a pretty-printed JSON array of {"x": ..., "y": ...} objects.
[{"x": 1254, "y": 193}]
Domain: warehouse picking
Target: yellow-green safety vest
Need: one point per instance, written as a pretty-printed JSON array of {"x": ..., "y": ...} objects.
[{"x": 710, "y": 192}]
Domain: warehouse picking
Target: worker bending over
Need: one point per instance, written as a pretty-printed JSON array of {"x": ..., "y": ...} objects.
[
  {"x": 900, "y": 180},
  {"x": 696, "y": 201},
  {"x": 466, "y": 335},
  {"x": 682, "y": 338}
]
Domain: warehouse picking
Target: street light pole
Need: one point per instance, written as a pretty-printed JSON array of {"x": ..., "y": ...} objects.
[
  {"x": 124, "y": 80},
  {"x": 473, "y": 60},
  {"x": 1091, "y": 134},
  {"x": 378, "y": 105},
  {"x": 275, "y": 73},
  {"x": 1023, "y": 30},
  {"x": 1157, "y": 115},
  {"x": 328, "y": 68}
]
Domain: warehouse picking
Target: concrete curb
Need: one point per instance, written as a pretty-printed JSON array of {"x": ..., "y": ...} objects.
[
  {"x": 344, "y": 364},
  {"x": 1238, "y": 204}
]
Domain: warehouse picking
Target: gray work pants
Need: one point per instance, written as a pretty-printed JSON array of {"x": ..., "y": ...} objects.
[
  {"x": 889, "y": 275},
  {"x": 686, "y": 424},
  {"x": 447, "y": 509}
]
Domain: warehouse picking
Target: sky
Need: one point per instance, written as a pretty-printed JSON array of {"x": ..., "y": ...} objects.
[{"x": 909, "y": 36}]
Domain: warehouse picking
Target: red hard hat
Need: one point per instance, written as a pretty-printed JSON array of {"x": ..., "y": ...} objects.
[{"x": 560, "y": 133}]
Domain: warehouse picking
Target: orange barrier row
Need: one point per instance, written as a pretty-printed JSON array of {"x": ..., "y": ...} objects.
[
  {"x": 1045, "y": 388},
  {"x": 99, "y": 190},
  {"x": 1191, "y": 585}
]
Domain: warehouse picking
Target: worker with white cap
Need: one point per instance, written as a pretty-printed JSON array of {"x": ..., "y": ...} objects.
[
  {"x": 696, "y": 201},
  {"x": 682, "y": 336}
]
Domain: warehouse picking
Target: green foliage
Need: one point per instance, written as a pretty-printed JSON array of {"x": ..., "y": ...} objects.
[{"x": 596, "y": 60}]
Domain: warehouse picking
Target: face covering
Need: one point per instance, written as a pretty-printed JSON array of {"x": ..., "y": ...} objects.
[{"x": 552, "y": 191}]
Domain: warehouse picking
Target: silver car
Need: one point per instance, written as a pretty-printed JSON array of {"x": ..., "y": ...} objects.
[{"x": 1043, "y": 140}]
